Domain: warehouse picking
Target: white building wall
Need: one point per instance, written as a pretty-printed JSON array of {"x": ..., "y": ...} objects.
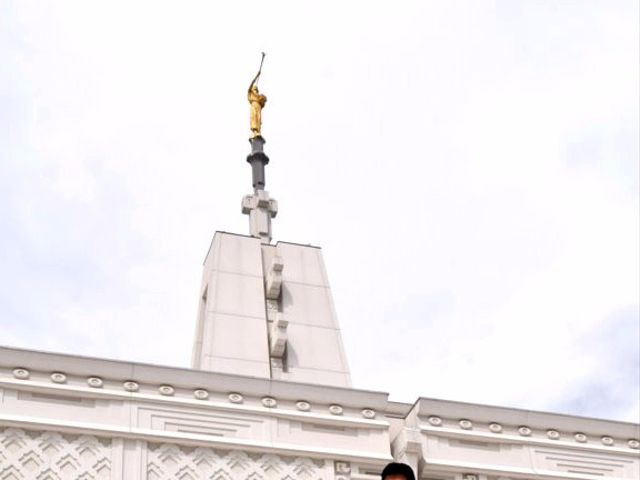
[
  {"x": 78, "y": 418},
  {"x": 68, "y": 417},
  {"x": 231, "y": 334}
]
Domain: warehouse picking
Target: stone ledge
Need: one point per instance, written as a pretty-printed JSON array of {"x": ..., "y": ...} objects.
[
  {"x": 507, "y": 438},
  {"x": 191, "y": 439}
]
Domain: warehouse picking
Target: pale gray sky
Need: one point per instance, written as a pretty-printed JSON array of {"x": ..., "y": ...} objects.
[{"x": 469, "y": 168}]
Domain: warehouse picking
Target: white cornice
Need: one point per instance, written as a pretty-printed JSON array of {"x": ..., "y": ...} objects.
[
  {"x": 425, "y": 407},
  {"x": 87, "y": 392},
  {"x": 75, "y": 365},
  {"x": 511, "y": 439}
]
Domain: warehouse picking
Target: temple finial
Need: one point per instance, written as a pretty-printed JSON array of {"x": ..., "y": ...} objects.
[{"x": 260, "y": 208}]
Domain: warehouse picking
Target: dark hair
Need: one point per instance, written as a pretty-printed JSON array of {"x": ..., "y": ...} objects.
[{"x": 398, "y": 469}]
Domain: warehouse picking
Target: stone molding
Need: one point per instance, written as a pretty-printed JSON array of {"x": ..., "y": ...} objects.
[
  {"x": 622, "y": 445},
  {"x": 452, "y": 469},
  {"x": 519, "y": 425},
  {"x": 131, "y": 389},
  {"x": 190, "y": 440},
  {"x": 97, "y": 375}
]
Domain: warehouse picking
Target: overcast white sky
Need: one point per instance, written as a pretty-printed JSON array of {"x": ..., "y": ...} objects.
[{"x": 469, "y": 168}]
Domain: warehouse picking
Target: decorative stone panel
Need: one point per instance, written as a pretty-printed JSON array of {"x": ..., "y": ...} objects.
[
  {"x": 343, "y": 471},
  {"x": 583, "y": 463},
  {"x": 51, "y": 455},
  {"x": 170, "y": 462}
]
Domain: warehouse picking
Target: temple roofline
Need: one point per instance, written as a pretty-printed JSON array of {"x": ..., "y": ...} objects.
[
  {"x": 154, "y": 374},
  {"x": 182, "y": 377}
]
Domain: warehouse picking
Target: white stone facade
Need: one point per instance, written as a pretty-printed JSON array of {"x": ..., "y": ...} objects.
[
  {"x": 463, "y": 441},
  {"x": 93, "y": 418},
  {"x": 70, "y": 417},
  {"x": 73, "y": 417},
  {"x": 269, "y": 398}
]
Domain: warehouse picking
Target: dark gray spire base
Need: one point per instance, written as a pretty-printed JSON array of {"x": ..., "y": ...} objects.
[{"x": 258, "y": 159}]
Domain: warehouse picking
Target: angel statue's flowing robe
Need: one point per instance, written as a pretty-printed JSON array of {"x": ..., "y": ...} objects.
[{"x": 257, "y": 102}]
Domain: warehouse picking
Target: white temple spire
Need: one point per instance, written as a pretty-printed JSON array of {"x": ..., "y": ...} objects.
[{"x": 266, "y": 310}]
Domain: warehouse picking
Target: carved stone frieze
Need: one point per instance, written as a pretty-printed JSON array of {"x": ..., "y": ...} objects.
[
  {"x": 51, "y": 455},
  {"x": 169, "y": 461}
]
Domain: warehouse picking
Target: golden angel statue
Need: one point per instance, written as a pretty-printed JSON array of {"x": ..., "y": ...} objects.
[{"x": 257, "y": 102}]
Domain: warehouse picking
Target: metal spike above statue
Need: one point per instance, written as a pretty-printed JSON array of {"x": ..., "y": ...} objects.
[{"x": 257, "y": 158}]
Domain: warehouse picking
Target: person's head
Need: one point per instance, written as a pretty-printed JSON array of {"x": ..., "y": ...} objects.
[{"x": 397, "y": 471}]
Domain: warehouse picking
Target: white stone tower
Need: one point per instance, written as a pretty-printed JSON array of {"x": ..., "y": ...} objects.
[{"x": 266, "y": 310}]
